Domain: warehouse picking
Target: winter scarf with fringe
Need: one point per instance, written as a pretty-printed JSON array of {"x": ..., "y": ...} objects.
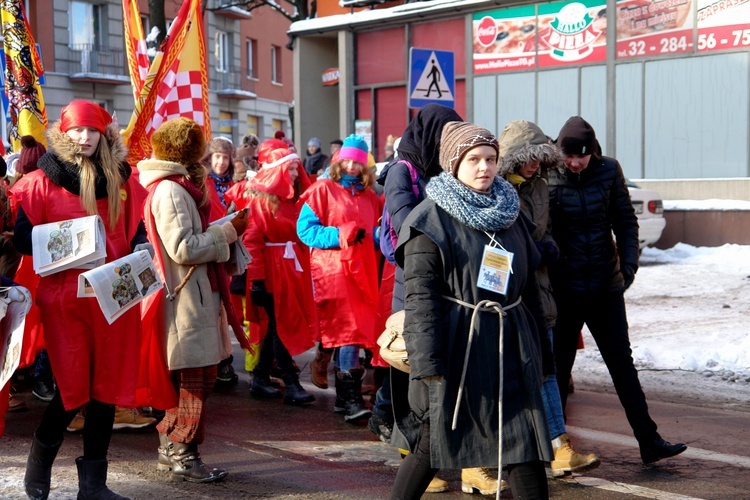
[{"x": 484, "y": 212}]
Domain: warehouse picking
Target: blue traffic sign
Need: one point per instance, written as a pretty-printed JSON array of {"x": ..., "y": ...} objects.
[{"x": 432, "y": 77}]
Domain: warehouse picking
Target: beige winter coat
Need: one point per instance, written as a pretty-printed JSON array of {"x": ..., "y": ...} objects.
[{"x": 194, "y": 335}]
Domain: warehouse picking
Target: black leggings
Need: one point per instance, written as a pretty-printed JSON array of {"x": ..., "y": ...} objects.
[
  {"x": 415, "y": 472},
  {"x": 97, "y": 431},
  {"x": 272, "y": 346},
  {"x": 527, "y": 480}
]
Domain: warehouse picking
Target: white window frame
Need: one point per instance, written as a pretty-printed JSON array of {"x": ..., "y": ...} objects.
[
  {"x": 251, "y": 46},
  {"x": 222, "y": 51},
  {"x": 87, "y": 35},
  {"x": 275, "y": 62}
]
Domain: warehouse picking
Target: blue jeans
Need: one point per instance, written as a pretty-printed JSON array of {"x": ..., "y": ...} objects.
[
  {"x": 383, "y": 407},
  {"x": 347, "y": 357},
  {"x": 553, "y": 403}
]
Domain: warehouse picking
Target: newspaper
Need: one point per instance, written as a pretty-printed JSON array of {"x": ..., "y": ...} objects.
[
  {"x": 11, "y": 329},
  {"x": 121, "y": 284},
  {"x": 239, "y": 257},
  {"x": 77, "y": 243}
]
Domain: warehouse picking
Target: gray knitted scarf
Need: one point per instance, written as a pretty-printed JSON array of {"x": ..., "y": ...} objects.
[{"x": 492, "y": 212}]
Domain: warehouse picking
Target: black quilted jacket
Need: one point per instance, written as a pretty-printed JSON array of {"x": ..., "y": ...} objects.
[{"x": 586, "y": 211}]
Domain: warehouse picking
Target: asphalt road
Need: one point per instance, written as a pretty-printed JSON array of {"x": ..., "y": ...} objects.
[{"x": 279, "y": 451}]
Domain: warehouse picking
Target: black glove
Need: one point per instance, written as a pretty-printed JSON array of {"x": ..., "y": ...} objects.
[
  {"x": 628, "y": 275},
  {"x": 237, "y": 284},
  {"x": 549, "y": 251},
  {"x": 360, "y": 236},
  {"x": 258, "y": 293}
]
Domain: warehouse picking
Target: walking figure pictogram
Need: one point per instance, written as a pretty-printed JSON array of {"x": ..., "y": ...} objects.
[
  {"x": 431, "y": 77},
  {"x": 435, "y": 75}
]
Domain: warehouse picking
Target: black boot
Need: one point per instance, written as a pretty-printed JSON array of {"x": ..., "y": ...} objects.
[
  {"x": 165, "y": 450},
  {"x": 351, "y": 383},
  {"x": 39, "y": 469},
  {"x": 261, "y": 388},
  {"x": 188, "y": 466},
  {"x": 294, "y": 393},
  {"x": 225, "y": 372},
  {"x": 339, "y": 405},
  {"x": 92, "y": 481},
  {"x": 659, "y": 449}
]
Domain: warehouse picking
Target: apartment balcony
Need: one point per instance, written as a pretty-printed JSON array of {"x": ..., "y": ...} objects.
[
  {"x": 233, "y": 83},
  {"x": 226, "y": 8},
  {"x": 87, "y": 63}
]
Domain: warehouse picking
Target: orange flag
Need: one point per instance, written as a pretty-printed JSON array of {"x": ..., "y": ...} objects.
[
  {"x": 175, "y": 86},
  {"x": 135, "y": 46}
]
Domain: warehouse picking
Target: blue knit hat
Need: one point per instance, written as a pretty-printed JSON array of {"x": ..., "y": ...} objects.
[{"x": 354, "y": 148}]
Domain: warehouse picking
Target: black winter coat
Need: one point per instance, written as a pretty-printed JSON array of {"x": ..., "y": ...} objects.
[
  {"x": 585, "y": 210},
  {"x": 442, "y": 256},
  {"x": 315, "y": 163},
  {"x": 400, "y": 201}
]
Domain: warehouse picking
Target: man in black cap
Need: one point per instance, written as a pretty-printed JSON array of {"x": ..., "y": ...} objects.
[{"x": 589, "y": 202}]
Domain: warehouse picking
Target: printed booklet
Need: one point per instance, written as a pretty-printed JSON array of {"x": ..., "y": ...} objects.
[
  {"x": 13, "y": 309},
  {"x": 78, "y": 243},
  {"x": 121, "y": 284}
]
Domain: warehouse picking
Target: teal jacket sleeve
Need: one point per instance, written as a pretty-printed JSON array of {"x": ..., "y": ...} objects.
[{"x": 312, "y": 233}]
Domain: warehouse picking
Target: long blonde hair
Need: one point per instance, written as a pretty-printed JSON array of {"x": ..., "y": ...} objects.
[
  {"x": 198, "y": 174},
  {"x": 88, "y": 173}
]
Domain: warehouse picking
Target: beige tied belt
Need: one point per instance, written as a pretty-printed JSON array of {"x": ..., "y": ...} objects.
[
  {"x": 484, "y": 306},
  {"x": 289, "y": 253}
]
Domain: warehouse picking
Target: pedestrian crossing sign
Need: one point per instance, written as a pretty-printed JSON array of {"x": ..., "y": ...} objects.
[{"x": 431, "y": 77}]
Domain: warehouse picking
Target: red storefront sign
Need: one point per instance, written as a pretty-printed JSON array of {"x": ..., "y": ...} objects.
[
  {"x": 654, "y": 27},
  {"x": 723, "y": 25},
  {"x": 331, "y": 77},
  {"x": 572, "y": 33},
  {"x": 505, "y": 40}
]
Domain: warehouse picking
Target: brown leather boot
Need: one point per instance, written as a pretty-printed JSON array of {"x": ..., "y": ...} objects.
[{"x": 319, "y": 368}]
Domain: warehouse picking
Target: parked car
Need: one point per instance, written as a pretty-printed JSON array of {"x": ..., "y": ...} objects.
[{"x": 650, "y": 211}]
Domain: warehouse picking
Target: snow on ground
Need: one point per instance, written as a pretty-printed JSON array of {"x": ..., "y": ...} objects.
[{"x": 688, "y": 312}]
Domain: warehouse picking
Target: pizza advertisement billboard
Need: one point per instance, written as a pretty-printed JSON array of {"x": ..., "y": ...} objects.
[
  {"x": 723, "y": 25},
  {"x": 504, "y": 40},
  {"x": 571, "y": 33},
  {"x": 654, "y": 27}
]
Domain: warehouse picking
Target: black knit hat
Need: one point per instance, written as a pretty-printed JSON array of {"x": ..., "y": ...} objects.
[{"x": 577, "y": 137}]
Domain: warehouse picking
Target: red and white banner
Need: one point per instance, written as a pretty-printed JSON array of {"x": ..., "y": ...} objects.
[{"x": 176, "y": 85}]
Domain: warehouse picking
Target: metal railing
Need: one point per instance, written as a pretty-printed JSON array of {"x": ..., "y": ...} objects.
[
  {"x": 234, "y": 78},
  {"x": 90, "y": 58}
]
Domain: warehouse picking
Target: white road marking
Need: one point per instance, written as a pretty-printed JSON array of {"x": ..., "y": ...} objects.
[
  {"x": 628, "y": 489},
  {"x": 691, "y": 452}
]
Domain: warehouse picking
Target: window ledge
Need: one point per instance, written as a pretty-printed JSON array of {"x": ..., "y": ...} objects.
[
  {"x": 99, "y": 78},
  {"x": 233, "y": 13},
  {"x": 235, "y": 94}
]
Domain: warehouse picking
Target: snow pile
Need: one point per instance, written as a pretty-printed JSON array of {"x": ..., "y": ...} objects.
[{"x": 687, "y": 312}]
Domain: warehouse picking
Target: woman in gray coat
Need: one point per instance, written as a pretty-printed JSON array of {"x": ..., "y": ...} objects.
[{"x": 467, "y": 260}]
